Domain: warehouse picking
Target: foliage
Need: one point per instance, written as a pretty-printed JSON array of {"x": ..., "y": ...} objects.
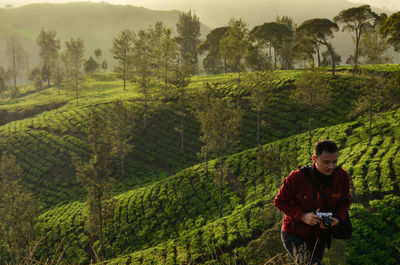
[
  {"x": 376, "y": 237},
  {"x": 96, "y": 175},
  {"x": 312, "y": 91},
  {"x": 357, "y": 19},
  {"x": 74, "y": 54},
  {"x": 48, "y": 52},
  {"x": 390, "y": 29},
  {"x": 17, "y": 213},
  {"x": 188, "y": 29},
  {"x": 320, "y": 30},
  {"x": 122, "y": 44}
]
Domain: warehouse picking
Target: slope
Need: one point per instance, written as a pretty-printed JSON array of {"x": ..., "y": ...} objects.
[
  {"x": 175, "y": 220},
  {"x": 44, "y": 141}
]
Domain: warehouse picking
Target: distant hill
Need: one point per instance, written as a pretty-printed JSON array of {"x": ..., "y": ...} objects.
[{"x": 96, "y": 23}]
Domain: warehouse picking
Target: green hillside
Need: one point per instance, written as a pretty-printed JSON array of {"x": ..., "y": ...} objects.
[
  {"x": 167, "y": 210},
  {"x": 45, "y": 139},
  {"x": 176, "y": 219}
]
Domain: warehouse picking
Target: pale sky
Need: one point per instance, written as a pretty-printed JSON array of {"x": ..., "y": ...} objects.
[{"x": 393, "y": 5}]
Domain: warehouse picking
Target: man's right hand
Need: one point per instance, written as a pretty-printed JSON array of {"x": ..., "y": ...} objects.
[{"x": 311, "y": 218}]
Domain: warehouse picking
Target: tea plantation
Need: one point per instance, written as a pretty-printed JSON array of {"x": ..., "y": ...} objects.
[{"x": 167, "y": 205}]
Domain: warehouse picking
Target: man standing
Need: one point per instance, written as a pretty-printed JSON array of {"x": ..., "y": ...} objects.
[{"x": 307, "y": 193}]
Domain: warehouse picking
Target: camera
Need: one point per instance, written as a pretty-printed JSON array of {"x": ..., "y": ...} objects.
[{"x": 325, "y": 218}]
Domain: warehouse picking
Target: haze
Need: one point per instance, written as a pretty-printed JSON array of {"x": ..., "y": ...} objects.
[{"x": 393, "y": 5}]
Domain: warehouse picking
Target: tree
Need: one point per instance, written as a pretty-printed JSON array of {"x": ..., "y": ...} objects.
[
  {"x": 188, "y": 28},
  {"x": 67, "y": 71},
  {"x": 96, "y": 174},
  {"x": 373, "y": 48},
  {"x": 48, "y": 52},
  {"x": 276, "y": 163},
  {"x": 57, "y": 75},
  {"x": 356, "y": 19},
  {"x": 320, "y": 30},
  {"x": 200, "y": 101},
  {"x": 90, "y": 65},
  {"x": 272, "y": 35},
  {"x": 3, "y": 85},
  {"x": 143, "y": 68},
  {"x": 169, "y": 53},
  {"x": 327, "y": 58},
  {"x": 180, "y": 79},
  {"x": 390, "y": 28},
  {"x": 303, "y": 50},
  {"x": 219, "y": 125},
  {"x": 285, "y": 51},
  {"x": 121, "y": 48},
  {"x": 98, "y": 53},
  {"x": 104, "y": 65},
  {"x": 312, "y": 91},
  {"x": 17, "y": 59},
  {"x": 18, "y": 211},
  {"x": 212, "y": 63},
  {"x": 75, "y": 49},
  {"x": 261, "y": 87},
  {"x": 156, "y": 34},
  {"x": 122, "y": 124},
  {"x": 372, "y": 98},
  {"x": 233, "y": 47}
]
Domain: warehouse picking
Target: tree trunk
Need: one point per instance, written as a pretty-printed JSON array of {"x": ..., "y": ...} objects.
[
  {"x": 238, "y": 88},
  {"x": 76, "y": 89},
  {"x": 101, "y": 225},
  {"x": 309, "y": 125},
  {"x": 370, "y": 127},
  {"x": 124, "y": 76},
  {"x": 318, "y": 55},
  {"x": 122, "y": 166},
  {"x": 332, "y": 52},
  {"x": 358, "y": 35},
  {"x": 220, "y": 186},
  {"x": 225, "y": 65},
  {"x": 258, "y": 127}
]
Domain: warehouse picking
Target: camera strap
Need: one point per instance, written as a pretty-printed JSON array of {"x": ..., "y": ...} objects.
[{"x": 307, "y": 170}]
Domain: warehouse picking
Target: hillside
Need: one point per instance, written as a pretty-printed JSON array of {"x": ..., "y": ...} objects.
[
  {"x": 175, "y": 220},
  {"x": 49, "y": 128},
  {"x": 167, "y": 207}
]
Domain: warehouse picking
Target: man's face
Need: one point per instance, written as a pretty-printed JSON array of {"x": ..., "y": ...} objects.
[{"x": 326, "y": 162}]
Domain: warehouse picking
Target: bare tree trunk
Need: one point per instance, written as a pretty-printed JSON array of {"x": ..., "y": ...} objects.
[
  {"x": 220, "y": 186},
  {"x": 258, "y": 127},
  {"x": 122, "y": 166},
  {"x": 370, "y": 127},
  {"x": 318, "y": 55},
  {"x": 309, "y": 125}
]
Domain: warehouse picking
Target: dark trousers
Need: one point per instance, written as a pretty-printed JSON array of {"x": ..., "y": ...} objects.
[{"x": 303, "y": 251}]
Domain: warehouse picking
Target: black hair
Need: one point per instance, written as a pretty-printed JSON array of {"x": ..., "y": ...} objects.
[{"x": 325, "y": 145}]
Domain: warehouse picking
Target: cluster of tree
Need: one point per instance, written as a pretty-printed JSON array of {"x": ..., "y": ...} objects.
[
  {"x": 56, "y": 67},
  {"x": 154, "y": 53},
  {"x": 282, "y": 43}
]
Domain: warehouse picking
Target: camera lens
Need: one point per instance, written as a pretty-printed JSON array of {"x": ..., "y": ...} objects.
[{"x": 326, "y": 221}]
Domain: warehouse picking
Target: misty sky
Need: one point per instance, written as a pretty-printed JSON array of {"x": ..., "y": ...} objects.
[{"x": 393, "y": 5}]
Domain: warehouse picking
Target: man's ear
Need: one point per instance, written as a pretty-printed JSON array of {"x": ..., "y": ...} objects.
[{"x": 313, "y": 157}]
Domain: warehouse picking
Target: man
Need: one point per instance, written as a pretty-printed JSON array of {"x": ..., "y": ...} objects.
[{"x": 304, "y": 193}]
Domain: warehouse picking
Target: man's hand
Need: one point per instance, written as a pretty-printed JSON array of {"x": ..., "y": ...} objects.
[
  {"x": 311, "y": 218},
  {"x": 334, "y": 221}
]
